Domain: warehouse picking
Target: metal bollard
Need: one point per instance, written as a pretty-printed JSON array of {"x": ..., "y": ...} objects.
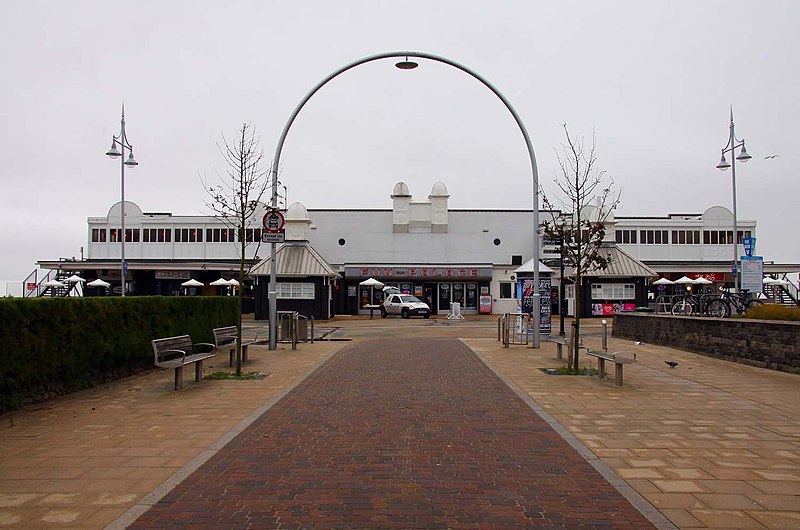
[{"x": 605, "y": 334}]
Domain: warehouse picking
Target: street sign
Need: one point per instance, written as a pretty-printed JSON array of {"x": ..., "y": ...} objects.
[
  {"x": 274, "y": 221},
  {"x": 125, "y": 267},
  {"x": 749, "y": 244},
  {"x": 752, "y": 273},
  {"x": 273, "y": 237}
]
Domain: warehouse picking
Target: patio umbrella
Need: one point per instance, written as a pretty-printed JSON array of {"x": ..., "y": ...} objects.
[
  {"x": 233, "y": 282},
  {"x": 685, "y": 280},
  {"x": 192, "y": 283},
  {"x": 54, "y": 283},
  {"x": 663, "y": 281},
  {"x": 220, "y": 282},
  {"x": 703, "y": 281},
  {"x": 75, "y": 279},
  {"x": 98, "y": 283},
  {"x": 372, "y": 283},
  {"x": 769, "y": 281}
]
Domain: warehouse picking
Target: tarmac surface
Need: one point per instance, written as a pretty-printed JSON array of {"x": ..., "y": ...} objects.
[{"x": 351, "y": 432}]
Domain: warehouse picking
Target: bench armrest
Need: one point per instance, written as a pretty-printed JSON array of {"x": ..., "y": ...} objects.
[
  {"x": 210, "y": 347},
  {"x": 181, "y": 354}
]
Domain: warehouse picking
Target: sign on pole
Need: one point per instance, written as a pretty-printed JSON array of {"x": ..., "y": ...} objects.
[
  {"x": 752, "y": 273},
  {"x": 749, "y": 244},
  {"x": 274, "y": 221},
  {"x": 273, "y": 237}
]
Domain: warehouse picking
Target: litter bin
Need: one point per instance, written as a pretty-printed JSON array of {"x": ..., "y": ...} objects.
[{"x": 285, "y": 320}]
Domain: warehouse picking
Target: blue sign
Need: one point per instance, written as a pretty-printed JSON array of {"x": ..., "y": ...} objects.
[{"x": 749, "y": 244}]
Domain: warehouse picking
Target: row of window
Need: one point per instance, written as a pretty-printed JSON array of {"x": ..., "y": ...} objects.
[
  {"x": 679, "y": 237},
  {"x": 182, "y": 235}
]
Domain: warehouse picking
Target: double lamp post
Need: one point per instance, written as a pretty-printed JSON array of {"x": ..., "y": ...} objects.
[
  {"x": 733, "y": 144},
  {"x": 119, "y": 144}
]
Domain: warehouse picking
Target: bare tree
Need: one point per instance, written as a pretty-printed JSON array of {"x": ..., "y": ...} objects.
[
  {"x": 235, "y": 200},
  {"x": 581, "y": 185}
]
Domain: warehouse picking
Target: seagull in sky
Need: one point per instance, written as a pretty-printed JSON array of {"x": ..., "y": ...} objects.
[{"x": 771, "y": 156}]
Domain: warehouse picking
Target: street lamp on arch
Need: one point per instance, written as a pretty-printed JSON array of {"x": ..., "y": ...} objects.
[
  {"x": 119, "y": 144},
  {"x": 406, "y": 64}
]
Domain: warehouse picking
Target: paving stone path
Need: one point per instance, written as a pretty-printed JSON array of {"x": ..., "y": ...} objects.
[{"x": 412, "y": 433}]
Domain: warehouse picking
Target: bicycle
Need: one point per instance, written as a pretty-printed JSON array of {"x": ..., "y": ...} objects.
[
  {"x": 740, "y": 301},
  {"x": 703, "y": 305},
  {"x": 685, "y": 306}
]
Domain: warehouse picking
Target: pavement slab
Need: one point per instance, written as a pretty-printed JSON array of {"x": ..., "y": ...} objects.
[{"x": 410, "y": 433}]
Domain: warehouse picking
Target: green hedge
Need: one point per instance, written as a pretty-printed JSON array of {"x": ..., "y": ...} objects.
[{"x": 52, "y": 346}]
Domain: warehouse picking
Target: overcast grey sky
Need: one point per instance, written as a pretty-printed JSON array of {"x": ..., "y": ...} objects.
[{"x": 655, "y": 80}]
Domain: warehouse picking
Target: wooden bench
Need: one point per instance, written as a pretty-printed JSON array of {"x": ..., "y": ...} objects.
[
  {"x": 177, "y": 352},
  {"x": 619, "y": 362},
  {"x": 225, "y": 339}
]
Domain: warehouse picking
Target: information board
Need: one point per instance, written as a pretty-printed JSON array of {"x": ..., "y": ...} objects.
[{"x": 752, "y": 273}]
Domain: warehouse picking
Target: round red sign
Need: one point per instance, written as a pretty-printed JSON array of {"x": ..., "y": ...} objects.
[{"x": 274, "y": 221}]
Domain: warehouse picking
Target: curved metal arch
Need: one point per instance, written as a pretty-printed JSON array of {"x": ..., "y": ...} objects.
[{"x": 432, "y": 57}]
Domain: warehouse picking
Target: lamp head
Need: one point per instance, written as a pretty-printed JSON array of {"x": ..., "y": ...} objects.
[
  {"x": 743, "y": 155},
  {"x": 130, "y": 162},
  {"x": 113, "y": 152},
  {"x": 723, "y": 164},
  {"x": 406, "y": 65}
]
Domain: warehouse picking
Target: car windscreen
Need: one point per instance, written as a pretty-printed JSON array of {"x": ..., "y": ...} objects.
[{"x": 409, "y": 298}]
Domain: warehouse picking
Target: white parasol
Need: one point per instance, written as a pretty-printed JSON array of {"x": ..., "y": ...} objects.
[
  {"x": 54, "y": 283},
  {"x": 233, "y": 282},
  {"x": 75, "y": 279},
  {"x": 220, "y": 282},
  {"x": 372, "y": 283},
  {"x": 703, "y": 281},
  {"x": 98, "y": 283},
  {"x": 685, "y": 280},
  {"x": 192, "y": 283},
  {"x": 663, "y": 281}
]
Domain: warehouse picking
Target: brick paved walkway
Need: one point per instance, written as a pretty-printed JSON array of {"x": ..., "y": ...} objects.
[{"x": 414, "y": 433}]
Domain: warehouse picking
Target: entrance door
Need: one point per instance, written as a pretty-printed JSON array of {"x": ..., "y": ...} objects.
[
  {"x": 445, "y": 296},
  {"x": 471, "y": 301}
]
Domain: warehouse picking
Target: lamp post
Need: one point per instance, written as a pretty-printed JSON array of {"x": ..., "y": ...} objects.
[
  {"x": 732, "y": 145},
  {"x": 408, "y": 65},
  {"x": 118, "y": 146}
]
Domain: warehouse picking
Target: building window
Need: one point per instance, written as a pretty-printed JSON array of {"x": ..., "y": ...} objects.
[
  {"x": 724, "y": 237},
  {"x": 613, "y": 291},
  {"x": 252, "y": 235},
  {"x": 98, "y": 235},
  {"x": 516, "y": 260},
  {"x": 625, "y": 236},
  {"x": 219, "y": 235},
  {"x": 686, "y": 237},
  {"x": 114, "y": 233},
  {"x": 303, "y": 291},
  {"x": 506, "y": 290},
  {"x": 654, "y": 237},
  {"x": 188, "y": 235}
]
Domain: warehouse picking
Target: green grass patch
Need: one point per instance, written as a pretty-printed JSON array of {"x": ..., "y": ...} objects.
[
  {"x": 774, "y": 312},
  {"x": 565, "y": 370},
  {"x": 246, "y": 376}
]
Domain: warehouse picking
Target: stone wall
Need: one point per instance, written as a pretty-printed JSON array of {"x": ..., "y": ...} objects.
[{"x": 773, "y": 344}]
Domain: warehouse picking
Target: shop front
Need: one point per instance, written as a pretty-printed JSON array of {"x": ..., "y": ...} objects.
[{"x": 437, "y": 286}]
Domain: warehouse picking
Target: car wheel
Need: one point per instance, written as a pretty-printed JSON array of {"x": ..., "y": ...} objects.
[{"x": 404, "y": 313}]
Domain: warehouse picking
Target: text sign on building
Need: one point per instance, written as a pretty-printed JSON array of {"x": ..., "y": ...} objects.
[
  {"x": 752, "y": 273},
  {"x": 273, "y": 237},
  {"x": 421, "y": 272}
]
